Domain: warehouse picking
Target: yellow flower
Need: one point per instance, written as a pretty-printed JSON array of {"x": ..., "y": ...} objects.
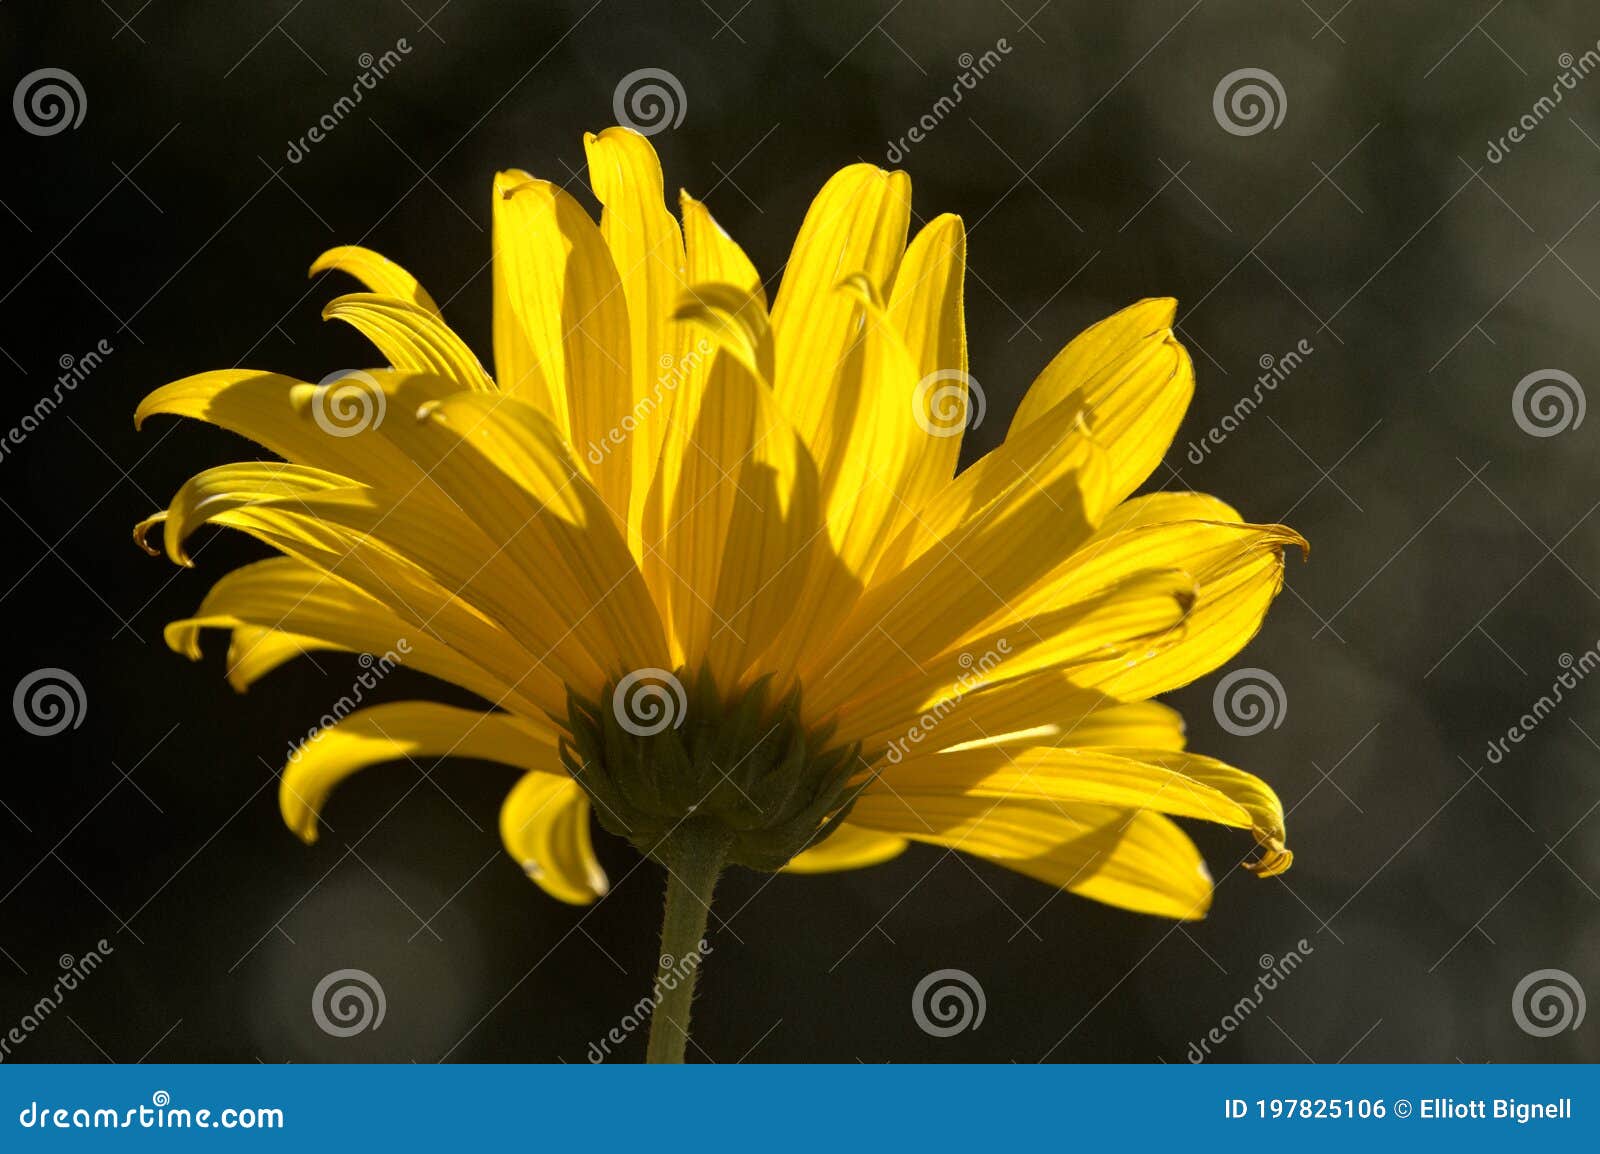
[{"x": 711, "y": 566}]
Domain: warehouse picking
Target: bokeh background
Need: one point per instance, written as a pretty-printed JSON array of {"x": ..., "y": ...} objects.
[{"x": 1453, "y": 569}]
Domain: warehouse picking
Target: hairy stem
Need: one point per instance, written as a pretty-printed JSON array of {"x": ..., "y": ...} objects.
[{"x": 693, "y": 854}]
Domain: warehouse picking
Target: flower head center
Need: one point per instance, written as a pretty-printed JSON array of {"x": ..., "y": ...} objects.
[{"x": 661, "y": 748}]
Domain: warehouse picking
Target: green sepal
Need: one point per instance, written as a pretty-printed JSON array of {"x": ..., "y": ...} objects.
[{"x": 745, "y": 764}]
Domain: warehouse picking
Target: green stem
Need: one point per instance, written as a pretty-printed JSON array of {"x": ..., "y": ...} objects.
[{"x": 693, "y": 854}]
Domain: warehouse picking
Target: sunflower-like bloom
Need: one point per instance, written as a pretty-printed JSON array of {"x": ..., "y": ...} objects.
[{"x": 708, "y": 561}]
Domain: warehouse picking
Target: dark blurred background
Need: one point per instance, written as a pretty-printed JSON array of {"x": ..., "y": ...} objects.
[{"x": 1453, "y": 570}]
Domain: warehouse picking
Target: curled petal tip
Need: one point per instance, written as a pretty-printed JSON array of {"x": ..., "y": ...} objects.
[
  {"x": 860, "y": 286},
  {"x": 141, "y": 534},
  {"x": 1275, "y": 859}
]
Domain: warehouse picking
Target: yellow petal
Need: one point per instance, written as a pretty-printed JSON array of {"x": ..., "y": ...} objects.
[
  {"x": 254, "y": 652},
  {"x": 424, "y": 536},
  {"x": 1091, "y": 352},
  {"x": 647, "y": 250},
  {"x": 210, "y": 494},
  {"x": 406, "y": 731},
  {"x": 735, "y": 319},
  {"x": 1133, "y": 616},
  {"x": 1173, "y": 782},
  {"x": 925, "y": 307},
  {"x": 1135, "y": 379},
  {"x": 866, "y": 450},
  {"x": 507, "y": 468},
  {"x": 1044, "y": 708},
  {"x": 284, "y": 594},
  {"x": 743, "y": 521},
  {"x": 1135, "y": 723},
  {"x": 1238, "y": 571},
  {"x": 1163, "y": 507},
  {"x": 848, "y": 847},
  {"x": 568, "y": 301},
  {"x": 516, "y": 363},
  {"x": 337, "y": 427},
  {"x": 1042, "y": 458},
  {"x": 1130, "y": 407},
  {"x": 1193, "y": 548},
  {"x": 435, "y": 568},
  {"x": 544, "y": 824},
  {"x": 959, "y": 581},
  {"x": 712, "y": 255},
  {"x": 972, "y": 712},
  {"x": 377, "y": 272},
  {"x": 1249, "y": 791},
  {"x": 430, "y": 501},
  {"x": 856, "y": 224},
  {"x": 1127, "y": 858},
  {"x": 866, "y": 455},
  {"x": 411, "y": 338},
  {"x": 414, "y": 554},
  {"x": 926, "y": 301},
  {"x": 704, "y": 453}
]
